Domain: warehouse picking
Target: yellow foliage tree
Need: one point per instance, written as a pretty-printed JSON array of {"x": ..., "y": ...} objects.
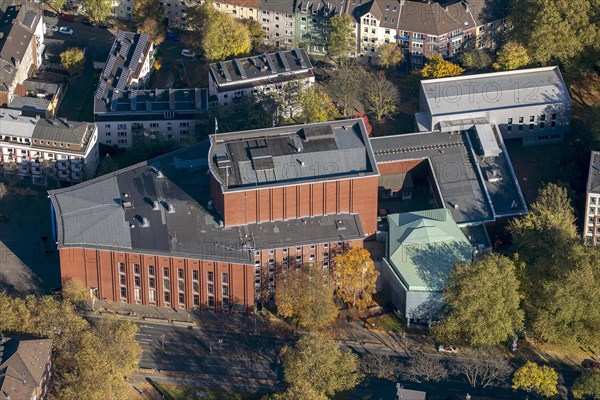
[
  {"x": 72, "y": 60},
  {"x": 316, "y": 106},
  {"x": 355, "y": 276},
  {"x": 225, "y": 37},
  {"x": 390, "y": 55},
  {"x": 537, "y": 379},
  {"x": 306, "y": 296},
  {"x": 513, "y": 55},
  {"x": 437, "y": 67},
  {"x": 73, "y": 290}
]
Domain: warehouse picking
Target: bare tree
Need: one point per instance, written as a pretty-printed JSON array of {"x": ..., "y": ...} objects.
[
  {"x": 423, "y": 368},
  {"x": 347, "y": 88},
  {"x": 378, "y": 366},
  {"x": 481, "y": 369}
]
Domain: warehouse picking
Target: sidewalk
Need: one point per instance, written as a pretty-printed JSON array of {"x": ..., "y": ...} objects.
[{"x": 206, "y": 320}]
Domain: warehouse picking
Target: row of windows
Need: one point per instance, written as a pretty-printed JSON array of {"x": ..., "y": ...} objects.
[
  {"x": 165, "y": 272},
  {"x": 532, "y": 118}
]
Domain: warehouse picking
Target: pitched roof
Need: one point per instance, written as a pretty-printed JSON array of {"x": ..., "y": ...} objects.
[
  {"x": 423, "y": 247},
  {"x": 593, "y": 182},
  {"x": 22, "y": 366}
]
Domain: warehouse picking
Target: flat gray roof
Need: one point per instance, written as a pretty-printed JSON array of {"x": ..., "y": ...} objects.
[
  {"x": 458, "y": 169},
  {"x": 282, "y": 65},
  {"x": 109, "y": 213},
  {"x": 153, "y": 101},
  {"x": 298, "y": 153},
  {"x": 526, "y": 87}
]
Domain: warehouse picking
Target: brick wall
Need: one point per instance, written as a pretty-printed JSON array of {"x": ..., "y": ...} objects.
[{"x": 103, "y": 269}]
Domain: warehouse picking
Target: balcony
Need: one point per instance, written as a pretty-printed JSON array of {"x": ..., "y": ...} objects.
[
  {"x": 76, "y": 177},
  {"x": 36, "y": 171},
  {"x": 64, "y": 176},
  {"x": 76, "y": 168},
  {"x": 62, "y": 166}
]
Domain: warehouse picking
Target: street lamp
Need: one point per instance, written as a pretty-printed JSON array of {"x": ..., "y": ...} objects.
[{"x": 162, "y": 340}]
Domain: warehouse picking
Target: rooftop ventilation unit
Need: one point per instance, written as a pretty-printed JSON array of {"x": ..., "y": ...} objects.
[
  {"x": 170, "y": 208},
  {"x": 155, "y": 205},
  {"x": 145, "y": 222}
]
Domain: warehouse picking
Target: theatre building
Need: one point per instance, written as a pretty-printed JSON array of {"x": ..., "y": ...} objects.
[{"x": 211, "y": 225}]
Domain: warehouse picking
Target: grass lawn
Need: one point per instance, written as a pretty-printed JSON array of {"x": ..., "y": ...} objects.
[
  {"x": 171, "y": 392},
  {"x": 387, "y": 322}
]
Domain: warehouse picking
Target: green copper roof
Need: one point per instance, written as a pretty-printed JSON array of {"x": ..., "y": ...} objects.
[{"x": 423, "y": 246}]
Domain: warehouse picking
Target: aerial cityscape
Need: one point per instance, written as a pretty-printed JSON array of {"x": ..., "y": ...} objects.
[{"x": 299, "y": 200}]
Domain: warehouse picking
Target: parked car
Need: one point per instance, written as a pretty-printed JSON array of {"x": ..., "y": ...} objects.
[
  {"x": 67, "y": 17},
  {"x": 188, "y": 53},
  {"x": 65, "y": 31},
  {"x": 447, "y": 349},
  {"x": 105, "y": 26},
  {"x": 87, "y": 22},
  {"x": 50, "y": 14},
  {"x": 172, "y": 36},
  {"x": 591, "y": 364}
]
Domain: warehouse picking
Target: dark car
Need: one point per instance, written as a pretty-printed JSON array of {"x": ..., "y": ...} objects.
[
  {"x": 591, "y": 364},
  {"x": 172, "y": 36},
  {"x": 50, "y": 14},
  {"x": 105, "y": 26},
  {"x": 67, "y": 17},
  {"x": 87, "y": 22}
]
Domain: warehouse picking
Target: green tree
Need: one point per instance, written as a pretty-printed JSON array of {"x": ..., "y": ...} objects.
[
  {"x": 305, "y": 295},
  {"x": 341, "y": 40},
  {"x": 381, "y": 97},
  {"x": 437, "y": 67},
  {"x": 560, "y": 276},
  {"x": 72, "y": 60},
  {"x": 57, "y": 4},
  {"x": 513, "y": 55},
  {"x": 533, "y": 378},
  {"x": 389, "y": 55},
  {"x": 98, "y": 10},
  {"x": 558, "y": 30},
  {"x": 256, "y": 32},
  {"x": 355, "y": 276},
  {"x": 74, "y": 290},
  {"x": 317, "y": 355},
  {"x": 476, "y": 59},
  {"x": 224, "y": 37},
  {"x": 315, "y": 106},
  {"x": 587, "y": 385},
  {"x": 484, "y": 303}
]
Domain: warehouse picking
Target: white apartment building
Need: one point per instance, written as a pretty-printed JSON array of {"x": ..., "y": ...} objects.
[
  {"x": 229, "y": 81},
  {"x": 532, "y": 105},
  {"x": 47, "y": 149},
  {"x": 591, "y": 228},
  {"x": 240, "y": 9}
]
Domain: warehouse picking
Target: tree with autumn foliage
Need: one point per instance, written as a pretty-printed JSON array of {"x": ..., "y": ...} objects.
[
  {"x": 533, "y": 378},
  {"x": 355, "y": 277},
  {"x": 305, "y": 296},
  {"x": 513, "y": 55},
  {"x": 365, "y": 119},
  {"x": 389, "y": 55},
  {"x": 437, "y": 67}
]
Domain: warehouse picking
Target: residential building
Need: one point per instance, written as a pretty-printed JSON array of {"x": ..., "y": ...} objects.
[
  {"x": 278, "y": 21},
  {"x": 25, "y": 367},
  {"x": 591, "y": 229},
  {"x": 123, "y": 109},
  {"x": 230, "y": 81},
  {"x": 42, "y": 149},
  {"x": 123, "y": 9},
  {"x": 21, "y": 47},
  {"x": 312, "y": 23},
  {"x": 422, "y": 248},
  {"x": 210, "y": 226},
  {"x": 407, "y": 394},
  {"x": 239, "y": 9},
  {"x": 532, "y": 105},
  {"x": 377, "y": 23},
  {"x": 35, "y": 98}
]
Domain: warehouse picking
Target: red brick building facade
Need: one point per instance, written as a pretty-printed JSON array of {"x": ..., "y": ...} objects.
[{"x": 172, "y": 236}]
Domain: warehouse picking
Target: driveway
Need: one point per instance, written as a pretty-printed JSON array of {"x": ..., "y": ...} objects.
[{"x": 96, "y": 41}]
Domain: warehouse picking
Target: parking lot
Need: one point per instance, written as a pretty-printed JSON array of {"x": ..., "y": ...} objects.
[{"x": 28, "y": 258}]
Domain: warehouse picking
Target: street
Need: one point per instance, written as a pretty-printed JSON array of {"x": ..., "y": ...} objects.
[{"x": 245, "y": 360}]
